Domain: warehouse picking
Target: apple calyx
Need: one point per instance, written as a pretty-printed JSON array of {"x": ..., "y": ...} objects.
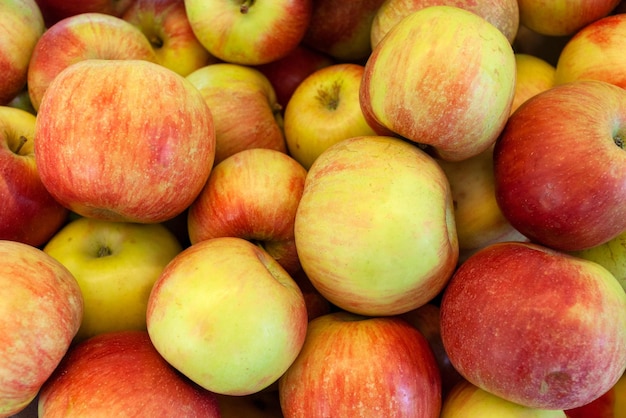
[
  {"x": 104, "y": 251},
  {"x": 329, "y": 98},
  {"x": 245, "y": 6},
  {"x": 22, "y": 140},
  {"x": 619, "y": 140}
]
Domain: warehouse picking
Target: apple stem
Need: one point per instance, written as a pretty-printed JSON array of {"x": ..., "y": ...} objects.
[
  {"x": 245, "y": 6},
  {"x": 20, "y": 144}
]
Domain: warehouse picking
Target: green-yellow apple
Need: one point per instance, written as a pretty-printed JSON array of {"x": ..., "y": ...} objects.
[
  {"x": 560, "y": 18},
  {"x": 124, "y": 140},
  {"x": 254, "y": 195},
  {"x": 21, "y": 26},
  {"x": 40, "y": 313},
  {"x": 610, "y": 405},
  {"x": 228, "y": 316},
  {"x": 503, "y": 14},
  {"x": 479, "y": 220},
  {"x": 535, "y": 326},
  {"x": 560, "y": 166},
  {"x": 81, "y": 37},
  {"x": 55, "y": 10},
  {"x": 22, "y": 101},
  {"x": 534, "y": 75},
  {"x": 323, "y": 110},
  {"x": 442, "y": 77},
  {"x": 356, "y": 366},
  {"x": 249, "y": 32},
  {"x": 29, "y": 213},
  {"x": 469, "y": 401},
  {"x": 116, "y": 264},
  {"x": 341, "y": 29},
  {"x": 121, "y": 374},
  {"x": 375, "y": 228},
  {"x": 595, "y": 52},
  {"x": 165, "y": 24},
  {"x": 244, "y": 108},
  {"x": 611, "y": 255}
]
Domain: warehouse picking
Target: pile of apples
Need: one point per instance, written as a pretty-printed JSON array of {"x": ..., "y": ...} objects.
[{"x": 312, "y": 208}]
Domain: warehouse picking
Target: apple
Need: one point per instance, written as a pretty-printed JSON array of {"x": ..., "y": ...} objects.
[
  {"x": 545, "y": 47},
  {"x": 245, "y": 110},
  {"x": 22, "y": 101},
  {"x": 29, "y": 213},
  {"x": 263, "y": 404},
  {"x": 595, "y": 52},
  {"x": 40, "y": 314},
  {"x": 611, "y": 255},
  {"x": 316, "y": 303},
  {"x": 253, "y": 195},
  {"x": 81, "y": 37},
  {"x": 420, "y": 83},
  {"x": 323, "y": 110},
  {"x": 503, "y": 14},
  {"x": 469, "y": 401},
  {"x": 121, "y": 374},
  {"x": 610, "y": 405},
  {"x": 116, "y": 264},
  {"x": 249, "y": 32},
  {"x": 105, "y": 151},
  {"x": 21, "y": 26},
  {"x": 228, "y": 316},
  {"x": 55, "y": 10},
  {"x": 560, "y": 19},
  {"x": 165, "y": 24},
  {"x": 375, "y": 228},
  {"x": 560, "y": 168},
  {"x": 356, "y": 366},
  {"x": 479, "y": 220},
  {"x": 286, "y": 73},
  {"x": 534, "y": 75},
  {"x": 342, "y": 29},
  {"x": 535, "y": 326}
]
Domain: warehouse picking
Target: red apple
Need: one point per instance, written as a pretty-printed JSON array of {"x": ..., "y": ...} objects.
[
  {"x": 341, "y": 29},
  {"x": 81, "y": 37},
  {"x": 55, "y": 10},
  {"x": 535, "y": 326},
  {"x": 354, "y": 366},
  {"x": 254, "y": 195},
  {"x": 249, "y": 32},
  {"x": 610, "y": 405},
  {"x": 29, "y": 213},
  {"x": 21, "y": 26},
  {"x": 40, "y": 313},
  {"x": 288, "y": 72},
  {"x": 560, "y": 167},
  {"x": 124, "y": 140},
  {"x": 121, "y": 374}
]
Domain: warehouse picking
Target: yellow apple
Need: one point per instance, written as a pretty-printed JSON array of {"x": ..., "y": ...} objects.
[
  {"x": 115, "y": 264},
  {"x": 611, "y": 255},
  {"x": 534, "y": 75}
]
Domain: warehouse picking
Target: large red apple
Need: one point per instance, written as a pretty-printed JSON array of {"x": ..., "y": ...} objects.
[
  {"x": 560, "y": 166},
  {"x": 55, "y": 10},
  {"x": 41, "y": 310},
  {"x": 121, "y": 374},
  {"x": 535, "y": 326},
  {"x": 124, "y": 140},
  {"x": 354, "y": 366}
]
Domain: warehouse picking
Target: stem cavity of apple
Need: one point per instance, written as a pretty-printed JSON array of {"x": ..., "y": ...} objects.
[
  {"x": 20, "y": 144},
  {"x": 245, "y": 6},
  {"x": 329, "y": 98}
]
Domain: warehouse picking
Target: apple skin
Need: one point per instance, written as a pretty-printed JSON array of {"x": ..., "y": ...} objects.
[
  {"x": 534, "y": 75},
  {"x": 495, "y": 312},
  {"x": 562, "y": 18},
  {"x": 469, "y": 401},
  {"x": 41, "y": 312},
  {"x": 81, "y": 37},
  {"x": 22, "y": 25},
  {"x": 611, "y": 255},
  {"x": 288, "y": 72},
  {"x": 237, "y": 93},
  {"x": 249, "y": 32},
  {"x": 595, "y": 52},
  {"x": 342, "y": 29},
  {"x": 116, "y": 264},
  {"x": 55, "y": 10},
  {"x": 503, "y": 14},
  {"x": 29, "y": 213},
  {"x": 323, "y": 110},
  {"x": 165, "y": 24},
  {"x": 121, "y": 374},
  {"x": 610, "y": 405},
  {"x": 149, "y": 166},
  {"x": 228, "y": 316},
  {"x": 566, "y": 140},
  {"x": 254, "y": 195},
  {"x": 352, "y": 366},
  {"x": 420, "y": 84},
  {"x": 382, "y": 246}
]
